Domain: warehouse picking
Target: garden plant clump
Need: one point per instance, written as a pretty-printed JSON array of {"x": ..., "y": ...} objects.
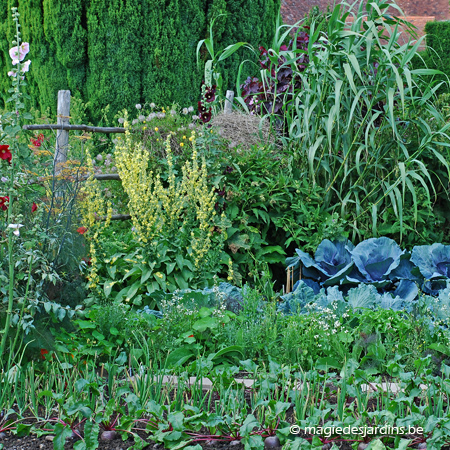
[{"x": 277, "y": 277}]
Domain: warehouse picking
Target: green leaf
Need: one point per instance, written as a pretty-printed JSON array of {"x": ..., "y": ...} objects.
[
  {"x": 170, "y": 267},
  {"x": 81, "y": 384},
  {"x": 61, "y": 313},
  {"x": 84, "y": 324},
  {"x": 62, "y": 432},
  {"x": 249, "y": 424},
  {"x": 253, "y": 441},
  {"x": 327, "y": 363},
  {"x": 205, "y": 323},
  {"x": 440, "y": 348},
  {"x": 131, "y": 292},
  {"x": 179, "y": 356},
  {"x": 98, "y": 335},
  {"x": 230, "y": 349},
  {"x": 22, "y": 429},
  {"x": 139, "y": 443},
  {"x": 176, "y": 420},
  {"x": 376, "y": 445},
  {"x": 228, "y": 51},
  {"x": 131, "y": 272},
  {"x": 146, "y": 274},
  {"x": 91, "y": 430},
  {"x": 111, "y": 271},
  {"x": 107, "y": 287}
]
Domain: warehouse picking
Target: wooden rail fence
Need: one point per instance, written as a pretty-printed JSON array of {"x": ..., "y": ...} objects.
[
  {"x": 63, "y": 126},
  {"x": 62, "y": 140}
]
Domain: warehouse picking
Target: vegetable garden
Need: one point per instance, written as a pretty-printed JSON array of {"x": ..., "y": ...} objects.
[{"x": 275, "y": 276}]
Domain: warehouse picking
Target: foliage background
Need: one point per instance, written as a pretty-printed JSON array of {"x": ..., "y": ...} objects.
[{"x": 123, "y": 52}]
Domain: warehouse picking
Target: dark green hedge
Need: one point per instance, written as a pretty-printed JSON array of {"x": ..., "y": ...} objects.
[
  {"x": 123, "y": 52},
  {"x": 437, "y": 53}
]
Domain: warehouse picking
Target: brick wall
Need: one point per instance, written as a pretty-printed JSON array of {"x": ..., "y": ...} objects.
[
  {"x": 419, "y": 11},
  {"x": 437, "y": 8}
]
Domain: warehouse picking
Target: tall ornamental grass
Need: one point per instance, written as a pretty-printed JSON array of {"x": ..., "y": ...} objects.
[{"x": 362, "y": 122}]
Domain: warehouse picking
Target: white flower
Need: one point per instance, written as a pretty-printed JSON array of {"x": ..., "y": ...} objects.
[
  {"x": 191, "y": 109},
  {"x": 152, "y": 105},
  {"x": 4, "y": 179},
  {"x": 138, "y": 106},
  {"x": 185, "y": 111},
  {"x": 121, "y": 120},
  {"x": 11, "y": 73},
  {"x": 16, "y": 227}
]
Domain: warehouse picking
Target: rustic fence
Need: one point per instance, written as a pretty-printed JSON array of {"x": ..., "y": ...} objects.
[{"x": 63, "y": 127}]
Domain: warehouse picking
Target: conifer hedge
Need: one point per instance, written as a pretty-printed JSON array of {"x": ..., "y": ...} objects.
[
  {"x": 123, "y": 52},
  {"x": 437, "y": 53}
]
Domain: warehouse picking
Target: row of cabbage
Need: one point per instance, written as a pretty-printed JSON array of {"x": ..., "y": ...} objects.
[{"x": 375, "y": 272}]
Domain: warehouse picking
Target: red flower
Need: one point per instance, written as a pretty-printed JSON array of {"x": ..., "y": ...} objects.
[
  {"x": 210, "y": 92},
  {"x": 87, "y": 260},
  {"x": 82, "y": 230},
  {"x": 4, "y": 201},
  {"x": 5, "y": 153},
  {"x": 205, "y": 117},
  {"x": 191, "y": 335},
  {"x": 43, "y": 352},
  {"x": 201, "y": 107},
  {"x": 37, "y": 140},
  {"x": 33, "y": 207}
]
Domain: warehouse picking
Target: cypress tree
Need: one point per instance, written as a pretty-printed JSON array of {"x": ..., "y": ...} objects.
[
  {"x": 123, "y": 52},
  {"x": 172, "y": 30},
  {"x": 115, "y": 42},
  {"x": 67, "y": 36}
]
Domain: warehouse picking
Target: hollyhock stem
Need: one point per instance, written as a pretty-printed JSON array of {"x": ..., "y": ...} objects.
[{"x": 9, "y": 310}]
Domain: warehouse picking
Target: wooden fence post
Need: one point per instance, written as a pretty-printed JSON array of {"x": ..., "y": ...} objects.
[
  {"x": 228, "y": 108},
  {"x": 62, "y": 136}
]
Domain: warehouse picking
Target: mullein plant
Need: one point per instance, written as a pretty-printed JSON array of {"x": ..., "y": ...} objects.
[
  {"x": 10, "y": 154},
  {"x": 184, "y": 209}
]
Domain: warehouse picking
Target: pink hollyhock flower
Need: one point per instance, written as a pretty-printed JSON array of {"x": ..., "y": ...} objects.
[
  {"x": 16, "y": 227},
  {"x": 26, "y": 66},
  {"x": 18, "y": 53}
]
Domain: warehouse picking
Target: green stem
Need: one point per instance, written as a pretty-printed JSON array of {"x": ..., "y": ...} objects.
[
  {"x": 24, "y": 303},
  {"x": 11, "y": 264}
]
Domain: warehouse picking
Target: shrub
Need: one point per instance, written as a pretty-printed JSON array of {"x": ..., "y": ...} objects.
[{"x": 120, "y": 53}]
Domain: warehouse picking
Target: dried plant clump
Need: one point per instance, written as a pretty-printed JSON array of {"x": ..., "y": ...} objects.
[{"x": 243, "y": 129}]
